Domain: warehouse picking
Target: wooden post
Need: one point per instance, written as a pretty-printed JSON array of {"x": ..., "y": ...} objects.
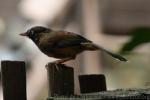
[
  {"x": 92, "y": 83},
  {"x": 61, "y": 80},
  {"x": 13, "y": 80}
]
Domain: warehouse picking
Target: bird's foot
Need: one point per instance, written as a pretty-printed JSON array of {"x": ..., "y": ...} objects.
[
  {"x": 47, "y": 66},
  {"x": 62, "y": 60},
  {"x": 57, "y": 62},
  {"x": 54, "y": 64}
]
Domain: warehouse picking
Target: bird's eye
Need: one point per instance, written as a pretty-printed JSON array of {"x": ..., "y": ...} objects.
[{"x": 31, "y": 32}]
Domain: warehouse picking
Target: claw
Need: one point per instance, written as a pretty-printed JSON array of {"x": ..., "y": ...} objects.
[{"x": 57, "y": 62}]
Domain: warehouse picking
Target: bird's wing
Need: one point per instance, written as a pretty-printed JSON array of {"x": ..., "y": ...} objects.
[{"x": 66, "y": 39}]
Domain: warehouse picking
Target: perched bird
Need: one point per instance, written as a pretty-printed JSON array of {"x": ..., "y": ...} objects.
[{"x": 63, "y": 45}]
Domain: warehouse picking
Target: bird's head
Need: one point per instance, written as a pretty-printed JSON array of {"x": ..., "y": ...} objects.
[{"x": 36, "y": 32}]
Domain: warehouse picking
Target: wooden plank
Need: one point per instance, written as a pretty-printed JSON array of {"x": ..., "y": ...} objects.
[
  {"x": 92, "y": 83},
  {"x": 61, "y": 80},
  {"x": 13, "y": 80},
  {"x": 119, "y": 94}
]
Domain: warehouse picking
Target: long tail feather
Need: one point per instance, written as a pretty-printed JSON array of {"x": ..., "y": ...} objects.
[{"x": 92, "y": 46}]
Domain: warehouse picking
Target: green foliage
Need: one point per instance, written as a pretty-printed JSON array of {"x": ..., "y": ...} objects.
[{"x": 139, "y": 36}]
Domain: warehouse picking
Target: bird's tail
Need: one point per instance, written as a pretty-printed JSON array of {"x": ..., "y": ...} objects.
[{"x": 92, "y": 46}]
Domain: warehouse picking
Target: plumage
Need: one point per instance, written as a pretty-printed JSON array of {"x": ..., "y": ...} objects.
[{"x": 61, "y": 44}]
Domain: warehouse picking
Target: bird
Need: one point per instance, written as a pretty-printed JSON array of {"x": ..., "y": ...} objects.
[{"x": 63, "y": 45}]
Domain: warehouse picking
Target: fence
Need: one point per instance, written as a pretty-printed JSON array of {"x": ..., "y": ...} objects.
[{"x": 61, "y": 84}]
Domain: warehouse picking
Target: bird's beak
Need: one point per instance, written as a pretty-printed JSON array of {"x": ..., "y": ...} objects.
[{"x": 23, "y": 34}]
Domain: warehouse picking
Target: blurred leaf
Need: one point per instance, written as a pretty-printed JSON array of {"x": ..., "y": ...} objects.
[{"x": 139, "y": 36}]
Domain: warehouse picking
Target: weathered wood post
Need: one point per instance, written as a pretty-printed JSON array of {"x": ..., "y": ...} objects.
[
  {"x": 61, "y": 80},
  {"x": 92, "y": 83},
  {"x": 13, "y": 80}
]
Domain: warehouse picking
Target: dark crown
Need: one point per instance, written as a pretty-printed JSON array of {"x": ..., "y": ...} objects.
[
  {"x": 34, "y": 31},
  {"x": 39, "y": 29}
]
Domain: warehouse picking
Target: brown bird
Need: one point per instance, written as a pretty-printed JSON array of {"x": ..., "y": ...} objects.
[{"x": 63, "y": 45}]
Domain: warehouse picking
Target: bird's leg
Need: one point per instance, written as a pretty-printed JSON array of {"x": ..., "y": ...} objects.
[{"x": 60, "y": 62}]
